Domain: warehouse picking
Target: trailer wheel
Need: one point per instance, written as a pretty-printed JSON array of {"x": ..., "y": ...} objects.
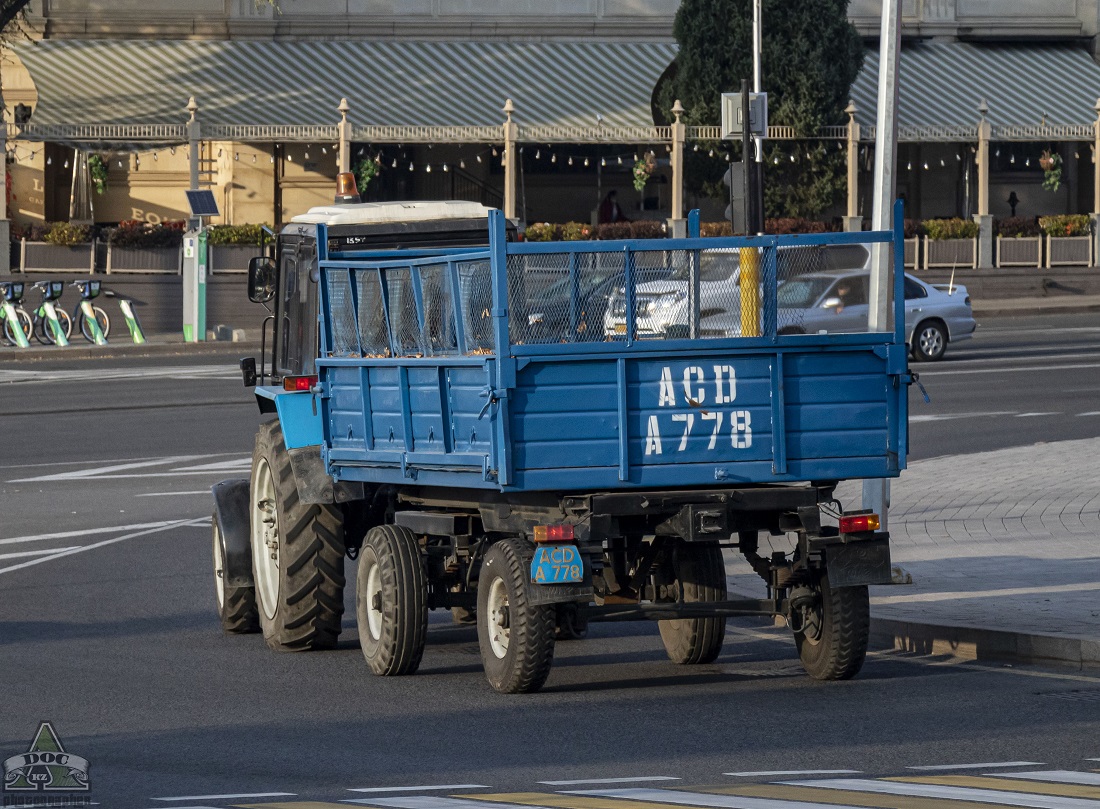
[
  {"x": 297, "y": 553},
  {"x": 391, "y": 601},
  {"x": 236, "y": 605},
  {"x": 832, "y": 629},
  {"x": 516, "y": 639},
  {"x": 700, "y": 576}
]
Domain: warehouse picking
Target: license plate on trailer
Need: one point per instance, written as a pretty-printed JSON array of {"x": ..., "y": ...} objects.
[
  {"x": 620, "y": 328},
  {"x": 557, "y": 564}
]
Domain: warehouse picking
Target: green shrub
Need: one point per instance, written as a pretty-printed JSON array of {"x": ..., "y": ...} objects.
[
  {"x": 612, "y": 230},
  {"x": 1017, "y": 227},
  {"x": 138, "y": 234},
  {"x": 940, "y": 229},
  {"x": 648, "y": 229},
  {"x": 68, "y": 235},
  {"x": 541, "y": 232},
  {"x": 1070, "y": 224},
  {"x": 575, "y": 231},
  {"x": 234, "y": 234},
  {"x": 710, "y": 229}
]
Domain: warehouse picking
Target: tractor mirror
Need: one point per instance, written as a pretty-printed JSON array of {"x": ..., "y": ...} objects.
[{"x": 261, "y": 279}]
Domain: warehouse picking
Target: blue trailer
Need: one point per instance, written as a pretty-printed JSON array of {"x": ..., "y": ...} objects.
[{"x": 482, "y": 423}]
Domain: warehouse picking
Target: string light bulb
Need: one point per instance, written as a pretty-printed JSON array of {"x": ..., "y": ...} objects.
[
  {"x": 394, "y": 163},
  {"x": 570, "y": 160},
  {"x": 603, "y": 161},
  {"x": 479, "y": 158},
  {"x": 410, "y": 166},
  {"x": 586, "y": 162},
  {"x": 538, "y": 153},
  {"x": 49, "y": 161},
  {"x": 494, "y": 151},
  {"x": 428, "y": 168},
  {"x": 66, "y": 164},
  {"x": 554, "y": 158},
  {"x": 445, "y": 167},
  {"x": 462, "y": 164},
  {"x": 620, "y": 160}
]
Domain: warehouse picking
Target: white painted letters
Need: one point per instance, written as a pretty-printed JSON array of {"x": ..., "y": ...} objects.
[
  {"x": 700, "y": 394},
  {"x": 668, "y": 394},
  {"x": 690, "y": 419},
  {"x": 653, "y": 437}
]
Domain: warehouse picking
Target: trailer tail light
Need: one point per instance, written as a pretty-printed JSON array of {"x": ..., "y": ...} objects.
[
  {"x": 858, "y": 523},
  {"x": 299, "y": 383},
  {"x": 553, "y": 533}
]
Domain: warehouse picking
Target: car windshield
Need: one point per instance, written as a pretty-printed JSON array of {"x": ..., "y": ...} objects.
[
  {"x": 714, "y": 265},
  {"x": 800, "y": 293}
]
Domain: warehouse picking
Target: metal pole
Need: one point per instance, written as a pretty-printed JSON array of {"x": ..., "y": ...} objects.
[
  {"x": 876, "y": 493},
  {"x": 746, "y": 142},
  {"x": 509, "y": 162},
  {"x": 853, "y": 167},
  {"x": 345, "y": 137},
  {"x": 749, "y": 279},
  {"x": 758, "y": 166},
  {"x": 679, "y": 131}
]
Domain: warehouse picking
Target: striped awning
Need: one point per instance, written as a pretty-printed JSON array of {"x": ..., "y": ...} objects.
[
  {"x": 386, "y": 83},
  {"x": 1025, "y": 87}
]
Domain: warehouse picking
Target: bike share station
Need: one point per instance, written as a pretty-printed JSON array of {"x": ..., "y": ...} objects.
[{"x": 195, "y": 265}]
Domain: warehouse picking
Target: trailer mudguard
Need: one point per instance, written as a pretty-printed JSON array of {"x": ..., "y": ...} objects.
[
  {"x": 299, "y": 415},
  {"x": 231, "y": 513}
]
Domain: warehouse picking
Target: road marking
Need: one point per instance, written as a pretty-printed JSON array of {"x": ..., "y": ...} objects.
[
  {"x": 1056, "y": 776},
  {"x": 611, "y": 780},
  {"x": 114, "y": 374},
  {"x": 86, "y": 532},
  {"x": 241, "y": 462},
  {"x": 34, "y": 553},
  {"x": 970, "y": 594},
  {"x": 699, "y": 799},
  {"x": 173, "y": 494},
  {"x": 946, "y": 416},
  {"x": 174, "y": 524},
  {"x": 420, "y": 788},
  {"x": 1029, "y": 369},
  {"x": 984, "y": 766},
  {"x": 793, "y": 772},
  {"x": 1030, "y": 415},
  {"x": 921, "y": 790},
  {"x": 565, "y": 800},
  {"x": 230, "y": 797},
  {"x": 100, "y": 471},
  {"x": 1091, "y": 413},
  {"x": 993, "y": 781},
  {"x": 428, "y": 802}
]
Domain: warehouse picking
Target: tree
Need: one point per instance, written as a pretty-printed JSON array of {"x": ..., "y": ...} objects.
[
  {"x": 10, "y": 10},
  {"x": 811, "y": 55}
]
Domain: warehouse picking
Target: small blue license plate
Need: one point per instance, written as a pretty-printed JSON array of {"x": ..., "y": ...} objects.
[{"x": 557, "y": 564}]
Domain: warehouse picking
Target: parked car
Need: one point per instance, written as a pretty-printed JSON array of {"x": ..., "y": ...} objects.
[
  {"x": 836, "y": 301},
  {"x": 662, "y": 307}
]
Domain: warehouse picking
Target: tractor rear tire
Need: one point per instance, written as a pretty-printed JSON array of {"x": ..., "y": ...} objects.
[
  {"x": 297, "y": 553},
  {"x": 391, "y": 601},
  {"x": 833, "y": 632},
  {"x": 700, "y": 574}
]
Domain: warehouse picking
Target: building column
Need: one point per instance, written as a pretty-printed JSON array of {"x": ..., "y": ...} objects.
[
  {"x": 5, "y": 222},
  {"x": 982, "y": 217},
  {"x": 1096, "y": 185},
  {"x": 345, "y": 137},
  {"x": 510, "y": 160},
  {"x": 853, "y": 221},
  {"x": 677, "y": 224}
]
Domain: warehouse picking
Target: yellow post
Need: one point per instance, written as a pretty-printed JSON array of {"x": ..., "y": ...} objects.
[{"x": 750, "y": 292}]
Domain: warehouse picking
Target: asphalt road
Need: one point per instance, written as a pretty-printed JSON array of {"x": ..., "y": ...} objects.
[{"x": 107, "y": 626}]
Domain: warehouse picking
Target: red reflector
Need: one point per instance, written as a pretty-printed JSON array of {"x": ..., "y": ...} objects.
[
  {"x": 856, "y": 523},
  {"x": 299, "y": 382},
  {"x": 553, "y": 533}
]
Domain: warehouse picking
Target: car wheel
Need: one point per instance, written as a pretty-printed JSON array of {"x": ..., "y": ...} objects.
[{"x": 929, "y": 341}]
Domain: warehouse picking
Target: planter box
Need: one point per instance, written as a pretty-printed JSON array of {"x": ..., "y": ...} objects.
[
  {"x": 1021, "y": 251},
  {"x": 950, "y": 253},
  {"x": 231, "y": 257},
  {"x": 143, "y": 259},
  {"x": 912, "y": 253},
  {"x": 1069, "y": 251},
  {"x": 45, "y": 257}
]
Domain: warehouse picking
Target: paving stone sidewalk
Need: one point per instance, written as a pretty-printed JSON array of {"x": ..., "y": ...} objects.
[{"x": 1004, "y": 551}]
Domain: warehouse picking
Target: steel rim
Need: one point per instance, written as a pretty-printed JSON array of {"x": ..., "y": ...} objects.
[
  {"x": 374, "y": 596},
  {"x": 265, "y": 537},
  {"x": 931, "y": 341},
  {"x": 497, "y": 620},
  {"x": 219, "y": 568}
]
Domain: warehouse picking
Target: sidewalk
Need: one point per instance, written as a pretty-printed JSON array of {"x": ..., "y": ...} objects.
[
  {"x": 1063, "y": 304},
  {"x": 157, "y": 345},
  {"x": 1004, "y": 551}
]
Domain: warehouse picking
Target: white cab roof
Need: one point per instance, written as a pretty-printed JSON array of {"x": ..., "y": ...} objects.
[{"x": 363, "y": 213}]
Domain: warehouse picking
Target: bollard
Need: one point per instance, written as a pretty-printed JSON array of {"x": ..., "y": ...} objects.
[{"x": 750, "y": 292}]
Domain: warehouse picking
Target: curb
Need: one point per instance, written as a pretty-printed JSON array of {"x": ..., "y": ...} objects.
[
  {"x": 976, "y": 643},
  {"x": 154, "y": 348}
]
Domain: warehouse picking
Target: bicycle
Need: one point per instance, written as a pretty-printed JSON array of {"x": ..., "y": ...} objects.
[
  {"x": 17, "y": 322},
  {"x": 126, "y": 306},
  {"x": 94, "y": 323},
  {"x": 51, "y": 324}
]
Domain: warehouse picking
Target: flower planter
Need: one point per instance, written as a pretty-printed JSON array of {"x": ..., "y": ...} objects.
[
  {"x": 45, "y": 257},
  {"x": 950, "y": 253},
  {"x": 1019, "y": 251},
  {"x": 1069, "y": 251},
  {"x": 165, "y": 260},
  {"x": 912, "y": 253},
  {"x": 231, "y": 257}
]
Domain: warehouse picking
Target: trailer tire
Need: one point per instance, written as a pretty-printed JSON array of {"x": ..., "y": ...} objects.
[
  {"x": 516, "y": 639},
  {"x": 833, "y": 632},
  {"x": 297, "y": 553},
  {"x": 700, "y": 574},
  {"x": 236, "y": 605},
  {"x": 391, "y": 601}
]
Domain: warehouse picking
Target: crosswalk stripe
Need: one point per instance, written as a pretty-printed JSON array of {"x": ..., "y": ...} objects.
[
  {"x": 1057, "y": 776},
  {"x": 842, "y": 798},
  {"x": 293, "y": 805},
  {"x": 993, "y": 781},
  {"x": 570, "y": 801},
  {"x": 986, "y": 766},
  {"x": 924, "y": 790},
  {"x": 429, "y": 802},
  {"x": 697, "y": 799}
]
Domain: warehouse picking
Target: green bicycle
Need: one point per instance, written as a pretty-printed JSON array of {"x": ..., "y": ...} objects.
[
  {"x": 51, "y": 324},
  {"x": 17, "y": 322}
]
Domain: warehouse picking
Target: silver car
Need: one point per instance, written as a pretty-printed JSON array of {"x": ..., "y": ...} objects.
[{"x": 836, "y": 301}]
